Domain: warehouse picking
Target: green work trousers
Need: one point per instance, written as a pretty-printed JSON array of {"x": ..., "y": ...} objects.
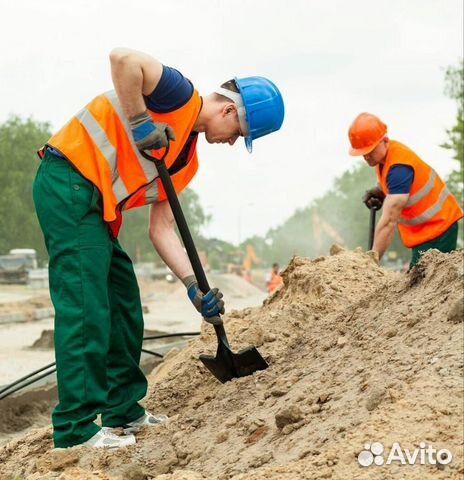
[
  {"x": 446, "y": 242},
  {"x": 98, "y": 313}
]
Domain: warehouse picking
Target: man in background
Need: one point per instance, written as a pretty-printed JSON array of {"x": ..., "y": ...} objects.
[
  {"x": 273, "y": 279},
  {"x": 415, "y": 199}
]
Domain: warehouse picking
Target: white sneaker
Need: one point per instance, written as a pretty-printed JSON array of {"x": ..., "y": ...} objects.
[
  {"x": 105, "y": 438},
  {"x": 146, "y": 420}
]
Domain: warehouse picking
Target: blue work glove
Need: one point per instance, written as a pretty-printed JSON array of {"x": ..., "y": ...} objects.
[
  {"x": 209, "y": 305},
  {"x": 149, "y": 135}
]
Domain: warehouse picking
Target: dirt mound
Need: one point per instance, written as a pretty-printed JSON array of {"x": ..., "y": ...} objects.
[
  {"x": 45, "y": 341},
  {"x": 357, "y": 355},
  {"x": 26, "y": 410}
]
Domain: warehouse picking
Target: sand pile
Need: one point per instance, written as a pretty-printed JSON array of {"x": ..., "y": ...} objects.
[
  {"x": 45, "y": 341},
  {"x": 357, "y": 355}
]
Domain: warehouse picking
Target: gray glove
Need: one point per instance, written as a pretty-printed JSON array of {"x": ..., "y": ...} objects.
[
  {"x": 149, "y": 135},
  {"x": 374, "y": 197},
  {"x": 209, "y": 305}
]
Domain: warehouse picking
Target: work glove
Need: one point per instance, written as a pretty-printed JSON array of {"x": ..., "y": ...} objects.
[
  {"x": 149, "y": 135},
  {"x": 374, "y": 197},
  {"x": 209, "y": 305}
]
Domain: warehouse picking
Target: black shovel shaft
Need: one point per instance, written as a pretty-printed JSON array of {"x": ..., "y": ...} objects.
[
  {"x": 371, "y": 227},
  {"x": 184, "y": 232}
]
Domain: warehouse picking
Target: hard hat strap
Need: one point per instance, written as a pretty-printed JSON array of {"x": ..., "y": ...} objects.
[{"x": 238, "y": 100}]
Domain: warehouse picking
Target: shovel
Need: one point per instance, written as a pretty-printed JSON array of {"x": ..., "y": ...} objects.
[
  {"x": 226, "y": 365},
  {"x": 375, "y": 205}
]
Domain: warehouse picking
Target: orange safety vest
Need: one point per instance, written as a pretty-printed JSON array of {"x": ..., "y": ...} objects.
[
  {"x": 431, "y": 209},
  {"x": 275, "y": 282},
  {"x": 98, "y": 142}
]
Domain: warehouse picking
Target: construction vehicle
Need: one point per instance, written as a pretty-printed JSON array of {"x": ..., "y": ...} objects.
[
  {"x": 15, "y": 267},
  {"x": 241, "y": 263}
]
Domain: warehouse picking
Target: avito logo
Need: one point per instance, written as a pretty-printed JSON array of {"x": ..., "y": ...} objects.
[{"x": 376, "y": 454}]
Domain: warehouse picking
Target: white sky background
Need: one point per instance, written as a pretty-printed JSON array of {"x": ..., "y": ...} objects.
[{"x": 331, "y": 60}]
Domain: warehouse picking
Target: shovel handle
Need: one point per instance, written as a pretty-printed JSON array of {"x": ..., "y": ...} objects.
[
  {"x": 184, "y": 231},
  {"x": 373, "y": 211}
]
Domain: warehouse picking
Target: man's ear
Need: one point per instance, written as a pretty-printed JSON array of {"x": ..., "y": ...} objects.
[{"x": 229, "y": 108}]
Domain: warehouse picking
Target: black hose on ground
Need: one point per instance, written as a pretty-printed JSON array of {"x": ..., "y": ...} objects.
[
  {"x": 26, "y": 377},
  {"x": 156, "y": 354},
  {"x": 30, "y": 382},
  {"x": 168, "y": 335},
  {"x": 6, "y": 391}
]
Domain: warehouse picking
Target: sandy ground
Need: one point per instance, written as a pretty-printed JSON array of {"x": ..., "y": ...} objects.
[
  {"x": 169, "y": 310},
  {"x": 356, "y": 354}
]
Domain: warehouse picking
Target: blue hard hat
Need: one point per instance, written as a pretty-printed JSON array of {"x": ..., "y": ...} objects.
[{"x": 264, "y": 107}]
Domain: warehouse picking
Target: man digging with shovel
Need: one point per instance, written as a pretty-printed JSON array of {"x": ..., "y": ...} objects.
[
  {"x": 415, "y": 199},
  {"x": 92, "y": 169}
]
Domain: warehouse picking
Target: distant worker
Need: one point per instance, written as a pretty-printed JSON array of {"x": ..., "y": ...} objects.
[
  {"x": 413, "y": 196},
  {"x": 273, "y": 279}
]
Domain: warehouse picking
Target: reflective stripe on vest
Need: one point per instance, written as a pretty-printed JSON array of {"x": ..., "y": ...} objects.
[
  {"x": 431, "y": 211},
  {"x": 106, "y": 148},
  {"x": 425, "y": 190},
  {"x": 152, "y": 193},
  {"x": 148, "y": 167}
]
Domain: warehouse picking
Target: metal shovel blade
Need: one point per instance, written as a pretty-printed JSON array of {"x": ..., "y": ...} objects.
[{"x": 227, "y": 365}]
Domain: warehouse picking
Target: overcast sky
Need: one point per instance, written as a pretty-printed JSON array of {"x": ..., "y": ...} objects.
[{"x": 330, "y": 59}]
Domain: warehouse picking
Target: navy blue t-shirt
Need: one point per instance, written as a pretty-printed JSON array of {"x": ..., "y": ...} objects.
[
  {"x": 172, "y": 92},
  {"x": 399, "y": 179}
]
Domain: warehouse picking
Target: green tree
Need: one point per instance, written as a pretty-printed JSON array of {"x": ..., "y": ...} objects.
[
  {"x": 19, "y": 141},
  {"x": 193, "y": 211},
  {"x": 454, "y": 88}
]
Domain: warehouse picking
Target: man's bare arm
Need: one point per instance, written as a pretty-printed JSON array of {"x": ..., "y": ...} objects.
[
  {"x": 134, "y": 74},
  {"x": 166, "y": 241},
  {"x": 392, "y": 208},
  {"x": 169, "y": 247}
]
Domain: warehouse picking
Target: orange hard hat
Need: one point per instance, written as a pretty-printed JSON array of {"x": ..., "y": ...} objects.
[{"x": 365, "y": 133}]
